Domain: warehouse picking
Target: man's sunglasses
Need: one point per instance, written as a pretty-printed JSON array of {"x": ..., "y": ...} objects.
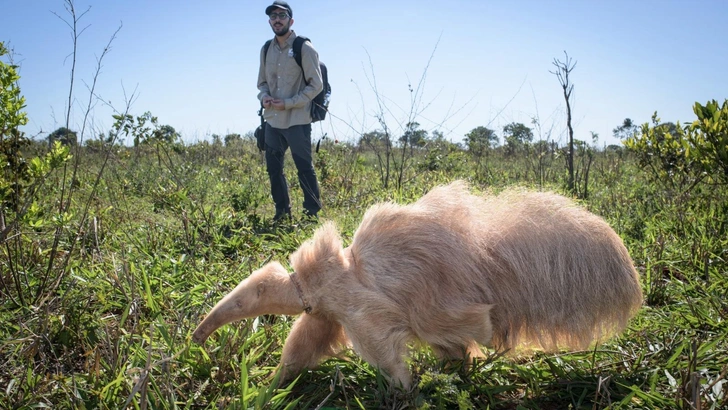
[{"x": 279, "y": 16}]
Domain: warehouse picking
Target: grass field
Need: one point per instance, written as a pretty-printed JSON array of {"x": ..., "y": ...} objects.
[{"x": 115, "y": 254}]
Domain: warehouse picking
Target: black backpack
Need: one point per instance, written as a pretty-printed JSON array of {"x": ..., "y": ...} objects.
[{"x": 320, "y": 103}]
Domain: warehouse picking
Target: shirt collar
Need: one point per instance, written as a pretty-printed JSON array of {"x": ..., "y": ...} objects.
[{"x": 289, "y": 40}]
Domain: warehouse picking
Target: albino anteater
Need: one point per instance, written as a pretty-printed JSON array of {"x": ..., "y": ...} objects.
[{"x": 453, "y": 270}]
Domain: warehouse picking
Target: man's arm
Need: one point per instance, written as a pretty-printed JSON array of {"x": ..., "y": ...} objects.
[
  {"x": 264, "y": 94},
  {"x": 312, "y": 77}
]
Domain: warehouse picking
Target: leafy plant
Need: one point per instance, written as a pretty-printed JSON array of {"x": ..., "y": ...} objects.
[
  {"x": 708, "y": 137},
  {"x": 13, "y": 166},
  {"x": 663, "y": 150}
]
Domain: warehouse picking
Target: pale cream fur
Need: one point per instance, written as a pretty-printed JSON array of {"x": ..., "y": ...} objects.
[{"x": 453, "y": 270}]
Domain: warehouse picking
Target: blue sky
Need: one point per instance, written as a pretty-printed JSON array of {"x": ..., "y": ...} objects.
[{"x": 193, "y": 64}]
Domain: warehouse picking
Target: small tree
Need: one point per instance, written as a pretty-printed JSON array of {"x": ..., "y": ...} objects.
[
  {"x": 708, "y": 137},
  {"x": 663, "y": 149},
  {"x": 480, "y": 141},
  {"x": 585, "y": 158},
  {"x": 14, "y": 169},
  {"x": 20, "y": 179},
  {"x": 563, "y": 69},
  {"x": 232, "y": 139},
  {"x": 146, "y": 131},
  {"x": 516, "y": 135},
  {"x": 379, "y": 143},
  {"x": 166, "y": 134},
  {"x": 414, "y": 137},
  {"x": 64, "y": 136},
  {"x": 372, "y": 138},
  {"x": 626, "y": 129}
]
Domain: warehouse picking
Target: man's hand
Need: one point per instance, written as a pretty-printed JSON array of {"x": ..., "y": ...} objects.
[
  {"x": 278, "y": 104},
  {"x": 267, "y": 102}
]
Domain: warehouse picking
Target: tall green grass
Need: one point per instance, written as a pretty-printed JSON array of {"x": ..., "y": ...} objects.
[{"x": 163, "y": 240}]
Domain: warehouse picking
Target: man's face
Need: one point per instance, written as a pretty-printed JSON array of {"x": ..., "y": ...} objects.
[{"x": 280, "y": 21}]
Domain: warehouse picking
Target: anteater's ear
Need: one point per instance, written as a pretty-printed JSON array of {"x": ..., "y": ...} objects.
[
  {"x": 325, "y": 246},
  {"x": 327, "y": 241},
  {"x": 261, "y": 288}
]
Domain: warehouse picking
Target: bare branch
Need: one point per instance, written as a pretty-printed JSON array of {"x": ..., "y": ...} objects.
[{"x": 563, "y": 69}]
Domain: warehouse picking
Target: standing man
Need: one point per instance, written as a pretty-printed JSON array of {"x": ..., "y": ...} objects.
[{"x": 286, "y": 91}]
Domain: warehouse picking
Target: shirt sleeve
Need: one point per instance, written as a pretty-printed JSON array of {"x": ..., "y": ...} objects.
[
  {"x": 263, "y": 89},
  {"x": 312, "y": 77}
]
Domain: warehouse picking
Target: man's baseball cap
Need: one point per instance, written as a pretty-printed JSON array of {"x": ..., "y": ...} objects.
[{"x": 278, "y": 4}]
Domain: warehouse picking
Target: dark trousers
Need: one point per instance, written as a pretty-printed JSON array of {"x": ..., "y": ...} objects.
[{"x": 277, "y": 141}]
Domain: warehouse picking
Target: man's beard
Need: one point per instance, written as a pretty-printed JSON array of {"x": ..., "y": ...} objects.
[{"x": 282, "y": 31}]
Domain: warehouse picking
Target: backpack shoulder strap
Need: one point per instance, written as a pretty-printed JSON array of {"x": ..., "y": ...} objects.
[
  {"x": 266, "y": 46},
  {"x": 297, "y": 46}
]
